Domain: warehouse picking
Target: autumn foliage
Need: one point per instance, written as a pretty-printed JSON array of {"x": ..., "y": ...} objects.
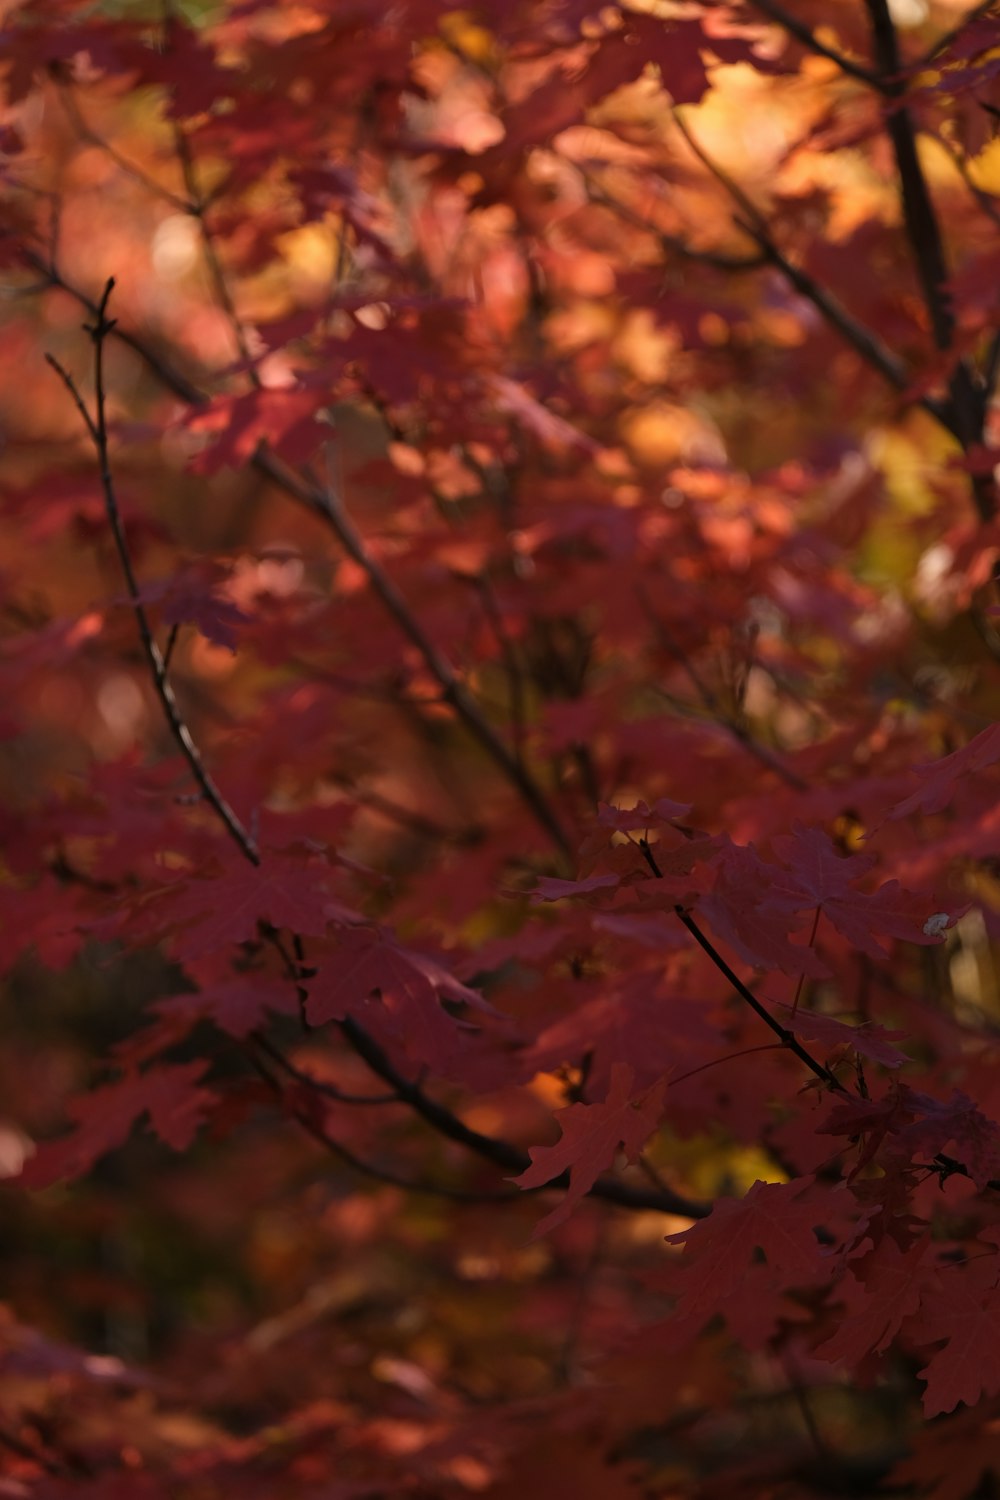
[{"x": 499, "y": 760}]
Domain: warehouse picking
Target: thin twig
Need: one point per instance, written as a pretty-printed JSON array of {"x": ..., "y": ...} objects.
[
  {"x": 861, "y": 339},
  {"x": 220, "y": 282},
  {"x": 329, "y": 1090},
  {"x": 515, "y": 678},
  {"x": 944, "y": 1165},
  {"x": 318, "y": 500},
  {"x": 671, "y": 243},
  {"x": 98, "y": 431},
  {"x": 366, "y": 1168},
  {"x": 715, "y": 709},
  {"x": 920, "y": 216},
  {"x": 785, "y": 1036},
  {"x": 87, "y": 133},
  {"x": 453, "y": 689}
]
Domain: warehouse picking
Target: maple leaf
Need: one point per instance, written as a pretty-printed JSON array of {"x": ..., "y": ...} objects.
[
  {"x": 551, "y": 430},
  {"x": 868, "y": 1040},
  {"x": 549, "y": 888},
  {"x": 963, "y": 1311},
  {"x": 104, "y": 1119},
  {"x": 950, "y": 1460},
  {"x": 960, "y": 1124},
  {"x": 285, "y": 419},
  {"x": 236, "y": 1006},
  {"x": 939, "y": 778},
  {"x": 204, "y": 913},
  {"x": 748, "y": 909},
  {"x": 191, "y": 598},
  {"x": 893, "y": 1281},
  {"x": 875, "y": 1120},
  {"x": 641, "y": 816},
  {"x": 822, "y": 878},
  {"x": 591, "y": 1137},
  {"x": 775, "y": 1217},
  {"x": 411, "y": 988}
]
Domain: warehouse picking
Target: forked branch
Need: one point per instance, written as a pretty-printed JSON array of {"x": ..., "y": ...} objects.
[{"x": 97, "y": 427}]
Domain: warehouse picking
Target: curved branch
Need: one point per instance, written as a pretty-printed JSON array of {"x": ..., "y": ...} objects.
[
  {"x": 97, "y": 428},
  {"x": 323, "y": 504}
]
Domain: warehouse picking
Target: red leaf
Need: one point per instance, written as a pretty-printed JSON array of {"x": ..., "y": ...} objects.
[
  {"x": 963, "y": 1311},
  {"x": 104, "y": 1119},
  {"x": 868, "y": 1040},
  {"x": 410, "y": 985},
  {"x": 821, "y": 877},
  {"x": 214, "y": 913},
  {"x": 777, "y": 1218},
  {"x": 591, "y": 1136},
  {"x": 236, "y": 1006},
  {"x": 641, "y": 816},
  {"x": 747, "y": 909},
  {"x": 551, "y": 889},
  {"x": 938, "y": 778},
  {"x": 284, "y": 419},
  {"x": 892, "y": 1281}
]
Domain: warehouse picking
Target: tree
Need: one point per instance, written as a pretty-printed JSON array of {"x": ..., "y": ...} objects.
[{"x": 499, "y": 887}]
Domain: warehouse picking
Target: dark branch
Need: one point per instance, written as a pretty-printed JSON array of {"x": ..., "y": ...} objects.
[
  {"x": 804, "y": 34},
  {"x": 861, "y": 339},
  {"x": 322, "y": 503},
  {"x": 306, "y": 1119},
  {"x": 967, "y": 405},
  {"x": 97, "y": 428},
  {"x": 502, "y": 1153}
]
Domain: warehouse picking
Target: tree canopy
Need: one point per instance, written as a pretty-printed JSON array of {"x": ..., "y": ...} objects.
[{"x": 499, "y": 698}]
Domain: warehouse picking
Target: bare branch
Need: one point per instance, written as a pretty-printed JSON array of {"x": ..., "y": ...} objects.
[
  {"x": 97, "y": 428},
  {"x": 87, "y": 133},
  {"x": 804, "y": 34},
  {"x": 967, "y": 404},
  {"x": 861, "y": 339},
  {"x": 322, "y": 504},
  {"x": 502, "y": 1153},
  {"x": 319, "y": 1132}
]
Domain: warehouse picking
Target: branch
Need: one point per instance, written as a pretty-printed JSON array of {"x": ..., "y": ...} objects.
[
  {"x": 923, "y": 230},
  {"x": 943, "y": 1165},
  {"x": 444, "y": 1121},
  {"x": 785, "y": 1036},
  {"x": 97, "y": 428},
  {"x": 87, "y": 133},
  {"x": 453, "y": 689},
  {"x": 502, "y": 1153},
  {"x": 804, "y": 34},
  {"x": 329, "y": 1090},
  {"x": 196, "y": 206},
  {"x": 321, "y": 503},
  {"x": 861, "y": 339},
  {"x": 668, "y": 242},
  {"x": 919, "y": 214},
  {"x": 319, "y": 1133},
  {"x": 715, "y": 709}
]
